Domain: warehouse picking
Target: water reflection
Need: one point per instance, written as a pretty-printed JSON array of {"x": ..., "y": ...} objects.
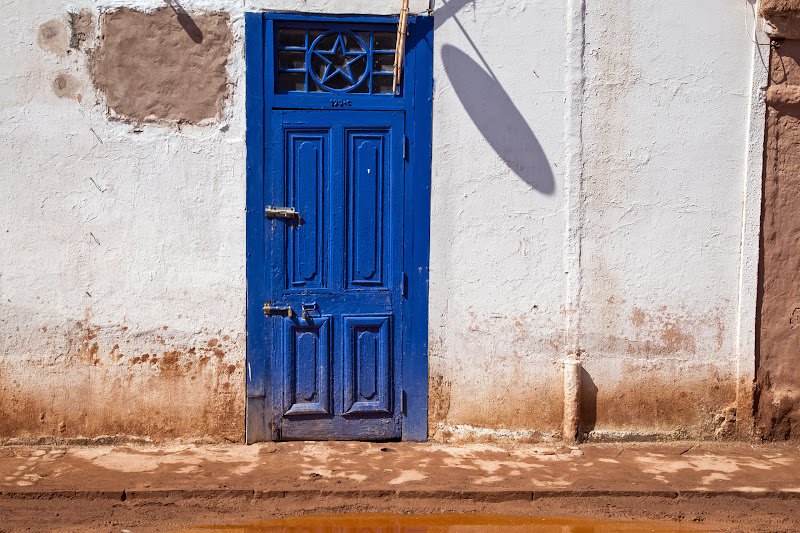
[{"x": 448, "y": 523}]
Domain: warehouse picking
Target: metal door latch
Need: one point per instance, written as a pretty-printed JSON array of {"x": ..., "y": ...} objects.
[
  {"x": 281, "y": 212},
  {"x": 270, "y": 309},
  {"x": 307, "y": 308}
]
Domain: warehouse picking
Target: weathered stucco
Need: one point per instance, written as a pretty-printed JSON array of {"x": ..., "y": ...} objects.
[
  {"x": 122, "y": 237},
  {"x": 662, "y": 222},
  {"x": 496, "y": 308},
  {"x": 770, "y": 8},
  {"x": 782, "y": 16},
  {"x": 664, "y": 116},
  {"x": 85, "y": 380},
  {"x": 121, "y": 263},
  {"x": 778, "y": 408},
  {"x": 163, "y": 65}
]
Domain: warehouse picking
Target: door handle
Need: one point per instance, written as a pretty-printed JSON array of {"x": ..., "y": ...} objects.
[{"x": 270, "y": 309}]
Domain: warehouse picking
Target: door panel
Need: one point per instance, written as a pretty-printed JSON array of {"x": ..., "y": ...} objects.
[
  {"x": 307, "y": 351},
  {"x": 306, "y": 186},
  {"x": 338, "y": 267},
  {"x": 365, "y": 199},
  {"x": 367, "y": 365}
]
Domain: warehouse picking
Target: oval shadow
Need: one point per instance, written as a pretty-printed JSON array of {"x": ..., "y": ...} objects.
[{"x": 498, "y": 119}]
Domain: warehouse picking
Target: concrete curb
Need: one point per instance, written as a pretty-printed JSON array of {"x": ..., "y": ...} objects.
[{"x": 478, "y": 496}]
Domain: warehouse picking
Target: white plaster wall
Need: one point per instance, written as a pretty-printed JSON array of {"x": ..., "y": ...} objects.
[
  {"x": 496, "y": 297},
  {"x": 665, "y": 127},
  {"x": 157, "y": 239},
  {"x": 114, "y": 236},
  {"x": 658, "y": 202}
]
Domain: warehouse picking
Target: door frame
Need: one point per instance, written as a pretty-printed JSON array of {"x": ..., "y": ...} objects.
[{"x": 259, "y": 103}]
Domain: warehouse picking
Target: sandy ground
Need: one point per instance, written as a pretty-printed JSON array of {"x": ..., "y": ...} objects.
[{"x": 721, "y": 486}]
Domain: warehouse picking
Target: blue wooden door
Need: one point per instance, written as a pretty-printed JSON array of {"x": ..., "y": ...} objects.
[
  {"x": 336, "y": 273},
  {"x": 338, "y": 221}
]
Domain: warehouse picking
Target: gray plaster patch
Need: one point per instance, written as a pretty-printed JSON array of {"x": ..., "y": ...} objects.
[{"x": 81, "y": 27}]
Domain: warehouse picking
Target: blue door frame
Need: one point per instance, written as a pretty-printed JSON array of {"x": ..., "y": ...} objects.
[{"x": 262, "y": 103}]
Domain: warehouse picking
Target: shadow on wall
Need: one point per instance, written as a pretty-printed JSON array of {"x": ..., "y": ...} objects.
[
  {"x": 588, "y": 402},
  {"x": 498, "y": 119},
  {"x": 186, "y": 21},
  {"x": 449, "y": 10}
]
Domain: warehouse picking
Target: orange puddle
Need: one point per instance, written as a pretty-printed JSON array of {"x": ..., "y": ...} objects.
[{"x": 447, "y": 523}]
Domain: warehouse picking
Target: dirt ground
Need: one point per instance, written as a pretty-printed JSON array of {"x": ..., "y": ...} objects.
[
  {"x": 718, "y": 487},
  {"x": 719, "y": 513}
]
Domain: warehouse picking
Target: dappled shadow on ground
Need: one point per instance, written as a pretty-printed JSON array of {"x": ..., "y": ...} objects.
[
  {"x": 448, "y": 523},
  {"x": 44, "y": 488},
  {"x": 420, "y": 469}
]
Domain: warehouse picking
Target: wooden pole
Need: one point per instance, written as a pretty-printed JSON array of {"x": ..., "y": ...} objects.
[{"x": 400, "y": 45}]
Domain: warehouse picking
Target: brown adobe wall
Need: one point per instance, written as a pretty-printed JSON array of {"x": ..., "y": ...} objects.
[
  {"x": 778, "y": 375},
  {"x": 783, "y": 17},
  {"x": 771, "y": 8},
  {"x": 164, "y": 66}
]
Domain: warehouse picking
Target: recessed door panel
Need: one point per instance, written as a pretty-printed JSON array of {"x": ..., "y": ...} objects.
[
  {"x": 366, "y": 166},
  {"x": 305, "y": 179},
  {"x": 367, "y": 365},
  {"x": 307, "y": 367}
]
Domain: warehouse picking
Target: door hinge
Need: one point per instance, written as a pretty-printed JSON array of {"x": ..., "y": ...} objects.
[
  {"x": 404, "y": 287},
  {"x": 403, "y": 403},
  {"x": 405, "y": 147}
]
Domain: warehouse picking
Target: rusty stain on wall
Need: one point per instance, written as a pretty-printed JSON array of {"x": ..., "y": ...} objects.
[
  {"x": 500, "y": 381},
  {"x": 778, "y": 360},
  {"x": 648, "y": 373},
  {"x": 668, "y": 332},
  {"x": 644, "y": 402},
  {"x": 663, "y": 397},
  {"x": 438, "y": 401},
  {"x": 53, "y": 37},
  {"x": 66, "y": 86},
  {"x": 155, "y": 67},
  {"x": 98, "y": 381},
  {"x": 654, "y": 371}
]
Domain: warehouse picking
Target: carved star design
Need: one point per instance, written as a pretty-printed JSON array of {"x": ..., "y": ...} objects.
[{"x": 338, "y": 60}]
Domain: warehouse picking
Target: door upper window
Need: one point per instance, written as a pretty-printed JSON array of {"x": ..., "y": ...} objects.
[{"x": 334, "y": 58}]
